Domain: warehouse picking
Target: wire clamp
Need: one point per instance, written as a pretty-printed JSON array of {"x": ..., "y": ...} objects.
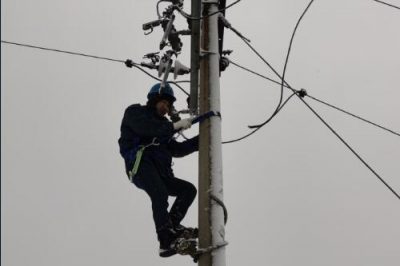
[
  {"x": 302, "y": 93},
  {"x": 228, "y": 25},
  {"x": 129, "y": 63}
]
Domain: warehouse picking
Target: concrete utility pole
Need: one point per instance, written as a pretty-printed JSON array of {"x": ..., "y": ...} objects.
[{"x": 211, "y": 215}]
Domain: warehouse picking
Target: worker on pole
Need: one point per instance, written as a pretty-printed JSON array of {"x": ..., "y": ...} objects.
[{"x": 147, "y": 146}]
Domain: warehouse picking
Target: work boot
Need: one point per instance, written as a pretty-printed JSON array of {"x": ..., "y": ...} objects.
[
  {"x": 167, "y": 238},
  {"x": 186, "y": 232}
]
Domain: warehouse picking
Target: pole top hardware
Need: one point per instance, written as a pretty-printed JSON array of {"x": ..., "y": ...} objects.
[
  {"x": 228, "y": 25},
  {"x": 175, "y": 2},
  {"x": 224, "y": 60},
  {"x": 227, "y": 52},
  {"x": 223, "y": 63},
  {"x": 154, "y": 57},
  {"x": 149, "y": 26}
]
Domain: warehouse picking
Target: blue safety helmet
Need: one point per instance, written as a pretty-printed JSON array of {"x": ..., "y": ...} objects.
[{"x": 165, "y": 93}]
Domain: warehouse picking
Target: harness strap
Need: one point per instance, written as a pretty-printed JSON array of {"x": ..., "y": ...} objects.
[{"x": 138, "y": 158}]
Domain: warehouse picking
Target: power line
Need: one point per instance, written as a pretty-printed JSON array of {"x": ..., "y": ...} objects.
[
  {"x": 276, "y": 73},
  {"x": 318, "y": 100},
  {"x": 351, "y": 149},
  {"x": 285, "y": 66},
  {"x": 255, "y": 73},
  {"x": 133, "y": 64},
  {"x": 158, "y": 9},
  {"x": 258, "y": 128},
  {"x": 291, "y": 43},
  {"x": 65, "y": 52},
  {"x": 316, "y": 114},
  {"x": 387, "y": 4},
  {"x": 280, "y": 104},
  {"x": 334, "y": 132},
  {"x": 355, "y": 116},
  {"x": 289, "y": 87},
  {"x": 273, "y": 69}
]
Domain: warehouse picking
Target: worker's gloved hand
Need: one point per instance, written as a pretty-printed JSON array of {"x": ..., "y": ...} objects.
[{"x": 183, "y": 124}]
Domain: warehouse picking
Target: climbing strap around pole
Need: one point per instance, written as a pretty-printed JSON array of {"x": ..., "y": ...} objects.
[
  {"x": 202, "y": 251},
  {"x": 221, "y": 203},
  {"x": 138, "y": 158}
]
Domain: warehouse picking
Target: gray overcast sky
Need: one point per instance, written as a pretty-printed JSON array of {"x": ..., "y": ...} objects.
[{"x": 295, "y": 194}]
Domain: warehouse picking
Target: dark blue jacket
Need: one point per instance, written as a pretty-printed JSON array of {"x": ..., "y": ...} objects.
[{"x": 140, "y": 126}]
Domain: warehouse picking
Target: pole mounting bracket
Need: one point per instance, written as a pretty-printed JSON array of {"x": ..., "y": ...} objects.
[
  {"x": 204, "y": 53},
  {"x": 210, "y": 1}
]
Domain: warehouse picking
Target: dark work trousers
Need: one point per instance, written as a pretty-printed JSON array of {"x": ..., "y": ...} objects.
[{"x": 159, "y": 187}]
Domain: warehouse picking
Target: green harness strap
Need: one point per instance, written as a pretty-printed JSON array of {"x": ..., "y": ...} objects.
[{"x": 138, "y": 158}]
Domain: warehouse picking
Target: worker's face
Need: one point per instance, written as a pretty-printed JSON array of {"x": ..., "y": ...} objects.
[{"x": 163, "y": 107}]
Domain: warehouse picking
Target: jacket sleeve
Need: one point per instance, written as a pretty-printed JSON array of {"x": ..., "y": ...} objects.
[
  {"x": 144, "y": 125},
  {"x": 181, "y": 149}
]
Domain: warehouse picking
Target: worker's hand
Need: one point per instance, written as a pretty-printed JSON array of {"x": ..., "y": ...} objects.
[{"x": 183, "y": 124}]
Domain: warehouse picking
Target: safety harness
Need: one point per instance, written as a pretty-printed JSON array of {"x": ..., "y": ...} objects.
[
  {"x": 138, "y": 157},
  {"x": 156, "y": 142}
]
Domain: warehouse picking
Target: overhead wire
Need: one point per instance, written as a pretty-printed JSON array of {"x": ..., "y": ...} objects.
[
  {"x": 278, "y": 107},
  {"x": 316, "y": 99},
  {"x": 63, "y": 51},
  {"x": 291, "y": 43},
  {"x": 258, "y": 128},
  {"x": 387, "y": 4},
  {"x": 134, "y": 64},
  {"x": 286, "y": 61},
  {"x": 340, "y": 138},
  {"x": 255, "y": 73},
  {"x": 351, "y": 149},
  {"x": 158, "y": 8},
  {"x": 353, "y": 115},
  {"x": 283, "y": 81}
]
